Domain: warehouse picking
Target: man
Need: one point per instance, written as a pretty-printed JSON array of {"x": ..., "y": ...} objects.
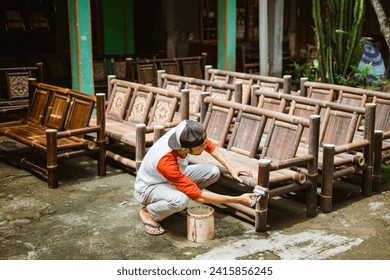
[{"x": 165, "y": 182}]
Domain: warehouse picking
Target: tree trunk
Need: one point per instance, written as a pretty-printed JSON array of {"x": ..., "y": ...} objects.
[{"x": 382, "y": 19}]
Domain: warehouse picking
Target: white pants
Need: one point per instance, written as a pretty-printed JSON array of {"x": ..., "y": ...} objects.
[{"x": 163, "y": 200}]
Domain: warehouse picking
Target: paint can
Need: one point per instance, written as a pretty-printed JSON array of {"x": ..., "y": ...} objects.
[{"x": 200, "y": 223}]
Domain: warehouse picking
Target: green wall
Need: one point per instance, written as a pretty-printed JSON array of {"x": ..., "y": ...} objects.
[{"x": 118, "y": 27}]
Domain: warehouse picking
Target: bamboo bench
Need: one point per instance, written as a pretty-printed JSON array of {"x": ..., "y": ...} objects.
[
  {"x": 248, "y": 80},
  {"x": 138, "y": 114},
  {"x": 144, "y": 70},
  {"x": 56, "y": 125},
  {"x": 359, "y": 97},
  {"x": 271, "y": 166},
  {"x": 340, "y": 153},
  {"x": 14, "y": 92},
  {"x": 196, "y": 87}
]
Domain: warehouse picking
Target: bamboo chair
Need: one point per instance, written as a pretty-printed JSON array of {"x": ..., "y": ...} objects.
[
  {"x": 338, "y": 154},
  {"x": 338, "y": 130},
  {"x": 277, "y": 178},
  {"x": 138, "y": 115},
  {"x": 382, "y": 139},
  {"x": 57, "y": 121}
]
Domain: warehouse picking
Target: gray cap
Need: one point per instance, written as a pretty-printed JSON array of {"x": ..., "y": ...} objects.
[{"x": 188, "y": 134}]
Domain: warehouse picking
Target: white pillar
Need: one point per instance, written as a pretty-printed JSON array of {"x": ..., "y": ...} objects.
[
  {"x": 277, "y": 54},
  {"x": 263, "y": 37}
]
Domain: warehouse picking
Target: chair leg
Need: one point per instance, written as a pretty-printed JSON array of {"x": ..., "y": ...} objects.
[
  {"x": 140, "y": 144},
  {"x": 327, "y": 178},
  {"x": 51, "y": 158},
  {"x": 377, "y": 176},
  {"x": 261, "y": 211},
  {"x": 261, "y": 214}
]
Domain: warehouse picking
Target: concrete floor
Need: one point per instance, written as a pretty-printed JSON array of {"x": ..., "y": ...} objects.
[{"x": 96, "y": 218}]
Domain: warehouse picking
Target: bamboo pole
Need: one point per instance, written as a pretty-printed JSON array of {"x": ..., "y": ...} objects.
[
  {"x": 327, "y": 178},
  {"x": 261, "y": 208},
  {"x": 376, "y": 184},
  {"x": 51, "y": 158}
]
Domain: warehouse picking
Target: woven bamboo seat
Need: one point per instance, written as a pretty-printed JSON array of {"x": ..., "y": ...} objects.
[{"x": 56, "y": 125}]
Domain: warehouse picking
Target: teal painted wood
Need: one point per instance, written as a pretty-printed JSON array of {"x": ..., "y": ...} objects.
[
  {"x": 227, "y": 34},
  {"x": 81, "y": 45}
]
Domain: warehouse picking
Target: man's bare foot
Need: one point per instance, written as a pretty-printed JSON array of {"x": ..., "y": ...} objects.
[{"x": 151, "y": 226}]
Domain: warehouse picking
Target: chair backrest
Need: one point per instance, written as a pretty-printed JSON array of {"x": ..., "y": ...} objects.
[
  {"x": 163, "y": 110},
  {"x": 382, "y": 114},
  {"x": 17, "y": 83},
  {"x": 56, "y": 111},
  {"x": 217, "y": 123},
  {"x": 246, "y": 135},
  {"x": 219, "y": 78},
  {"x": 118, "y": 102},
  {"x": 146, "y": 73},
  {"x": 140, "y": 105},
  {"x": 14, "y": 81},
  {"x": 303, "y": 111},
  {"x": 99, "y": 71},
  {"x": 80, "y": 112},
  {"x": 220, "y": 93},
  {"x": 192, "y": 68},
  {"x": 352, "y": 99},
  {"x": 173, "y": 85},
  {"x": 321, "y": 94},
  {"x": 119, "y": 68},
  {"x": 269, "y": 86},
  {"x": 338, "y": 127},
  {"x": 37, "y": 107},
  {"x": 170, "y": 67},
  {"x": 195, "y": 98},
  {"x": 273, "y": 104},
  {"x": 282, "y": 141}
]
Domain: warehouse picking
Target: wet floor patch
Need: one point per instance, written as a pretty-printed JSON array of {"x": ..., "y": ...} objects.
[{"x": 311, "y": 244}]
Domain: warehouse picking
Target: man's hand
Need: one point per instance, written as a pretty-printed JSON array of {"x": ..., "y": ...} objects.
[
  {"x": 247, "y": 198},
  {"x": 237, "y": 171},
  {"x": 234, "y": 171}
]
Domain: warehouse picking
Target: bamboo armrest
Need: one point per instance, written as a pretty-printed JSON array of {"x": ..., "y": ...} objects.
[
  {"x": 351, "y": 146},
  {"x": 297, "y": 161},
  {"x": 12, "y": 123},
  {"x": 78, "y": 131}
]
